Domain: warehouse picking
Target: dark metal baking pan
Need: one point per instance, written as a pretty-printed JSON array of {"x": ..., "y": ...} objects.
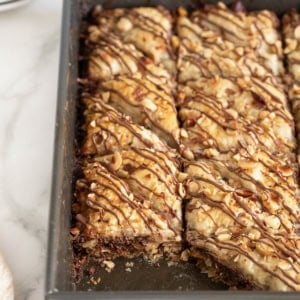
[{"x": 145, "y": 281}]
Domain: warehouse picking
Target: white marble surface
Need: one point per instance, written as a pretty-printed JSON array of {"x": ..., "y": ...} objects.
[{"x": 29, "y": 44}]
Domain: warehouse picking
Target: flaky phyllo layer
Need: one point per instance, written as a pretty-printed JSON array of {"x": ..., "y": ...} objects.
[
  {"x": 132, "y": 196},
  {"x": 129, "y": 197},
  {"x": 186, "y": 120},
  {"x": 243, "y": 209},
  {"x": 251, "y": 232},
  {"x": 291, "y": 35}
]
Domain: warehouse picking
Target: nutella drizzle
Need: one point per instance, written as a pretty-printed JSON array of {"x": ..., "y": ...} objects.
[
  {"x": 225, "y": 174},
  {"x": 108, "y": 40},
  {"x": 118, "y": 192}
]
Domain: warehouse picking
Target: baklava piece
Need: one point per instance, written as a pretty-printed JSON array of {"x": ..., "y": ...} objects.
[
  {"x": 231, "y": 95},
  {"x": 147, "y": 103},
  {"x": 274, "y": 179},
  {"x": 149, "y": 29},
  {"x": 109, "y": 56},
  {"x": 231, "y": 114},
  {"x": 226, "y": 30},
  {"x": 204, "y": 53},
  {"x": 238, "y": 236},
  {"x": 107, "y": 130},
  {"x": 128, "y": 204},
  {"x": 132, "y": 66},
  {"x": 291, "y": 35}
]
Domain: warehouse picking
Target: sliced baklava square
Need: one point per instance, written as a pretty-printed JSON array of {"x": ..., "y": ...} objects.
[
  {"x": 226, "y": 114},
  {"x": 109, "y": 56},
  {"x": 149, "y": 104},
  {"x": 107, "y": 130},
  {"x": 130, "y": 203},
  {"x": 204, "y": 53},
  {"x": 227, "y": 29},
  {"x": 149, "y": 29},
  {"x": 237, "y": 235}
]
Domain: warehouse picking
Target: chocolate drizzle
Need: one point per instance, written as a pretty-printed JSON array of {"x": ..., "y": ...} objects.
[
  {"x": 161, "y": 114},
  {"x": 111, "y": 45},
  {"x": 245, "y": 173},
  {"x": 241, "y": 189},
  {"x": 277, "y": 242},
  {"x": 121, "y": 190},
  {"x": 141, "y": 23},
  {"x": 108, "y": 120}
]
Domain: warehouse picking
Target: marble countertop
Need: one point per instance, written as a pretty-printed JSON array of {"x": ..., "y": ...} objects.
[{"x": 29, "y": 54}]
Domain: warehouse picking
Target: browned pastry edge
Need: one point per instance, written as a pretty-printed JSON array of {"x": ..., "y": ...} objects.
[
  {"x": 219, "y": 272},
  {"x": 129, "y": 247}
]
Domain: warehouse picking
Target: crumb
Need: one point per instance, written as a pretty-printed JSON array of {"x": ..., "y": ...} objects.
[
  {"x": 129, "y": 264},
  {"x": 95, "y": 281},
  {"x": 109, "y": 265},
  {"x": 128, "y": 269},
  {"x": 172, "y": 263},
  {"x": 75, "y": 231},
  {"x": 91, "y": 270},
  {"x": 182, "y": 11},
  {"x": 185, "y": 255}
]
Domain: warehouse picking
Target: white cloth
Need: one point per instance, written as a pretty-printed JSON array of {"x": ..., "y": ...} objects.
[{"x": 6, "y": 282}]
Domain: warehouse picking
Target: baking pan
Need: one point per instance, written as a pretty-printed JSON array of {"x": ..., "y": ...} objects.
[{"x": 145, "y": 281}]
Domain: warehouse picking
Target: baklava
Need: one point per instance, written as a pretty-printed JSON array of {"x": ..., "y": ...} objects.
[
  {"x": 130, "y": 72},
  {"x": 108, "y": 130},
  {"x": 238, "y": 235},
  {"x": 148, "y": 103},
  {"x": 238, "y": 127},
  {"x": 291, "y": 35},
  {"x": 148, "y": 29},
  {"x": 189, "y": 143},
  {"x": 229, "y": 33},
  {"x": 129, "y": 204}
]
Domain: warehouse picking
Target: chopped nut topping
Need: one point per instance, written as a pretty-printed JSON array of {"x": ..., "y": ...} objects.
[
  {"x": 182, "y": 11},
  {"x": 297, "y": 32},
  {"x": 124, "y": 24}
]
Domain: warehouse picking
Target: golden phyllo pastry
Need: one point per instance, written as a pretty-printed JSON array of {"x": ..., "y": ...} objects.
[
  {"x": 107, "y": 130},
  {"x": 148, "y": 29},
  {"x": 131, "y": 206},
  {"x": 257, "y": 31},
  {"x": 237, "y": 235},
  {"x": 148, "y": 104},
  {"x": 204, "y": 53},
  {"x": 191, "y": 115},
  {"x": 291, "y": 35},
  {"x": 228, "y": 114},
  {"x": 109, "y": 57},
  {"x": 240, "y": 133}
]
